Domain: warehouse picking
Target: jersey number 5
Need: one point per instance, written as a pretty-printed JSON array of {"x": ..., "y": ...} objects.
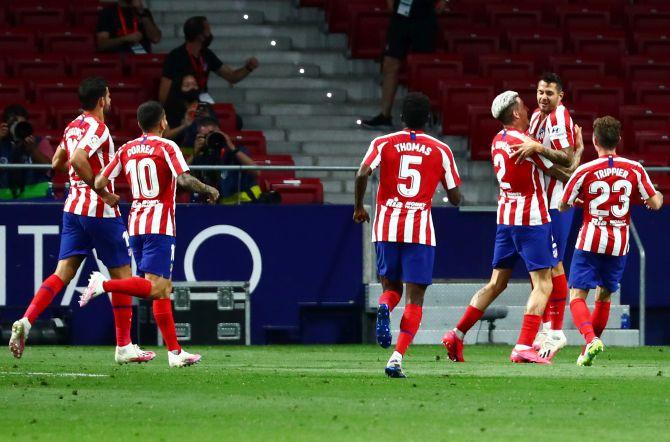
[
  {"x": 405, "y": 172},
  {"x": 143, "y": 178},
  {"x": 603, "y": 190}
]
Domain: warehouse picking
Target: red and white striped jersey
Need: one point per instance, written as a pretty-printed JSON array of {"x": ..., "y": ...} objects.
[
  {"x": 411, "y": 165},
  {"x": 556, "y": 131},
  {"x": 606, "y": 186},
  {"x": 522, "y": 200},
  {"x": 151, "y": 165},
  {"x": 88, "y": 133}
]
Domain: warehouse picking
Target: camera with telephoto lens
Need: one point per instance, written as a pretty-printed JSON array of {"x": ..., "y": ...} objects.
[
  {"x": 215, "y": 141},
  {"x": 20, "y": 130}
]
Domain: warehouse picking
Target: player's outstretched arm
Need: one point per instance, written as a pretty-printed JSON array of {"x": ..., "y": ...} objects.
[
  {"x": 529, "y": 147},
  {"x": 360, "y": 214},
  {"x": 192, "y": 184}
]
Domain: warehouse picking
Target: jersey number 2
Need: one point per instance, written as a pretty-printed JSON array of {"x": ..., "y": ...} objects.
[
  {"x": 499, "y": 162},
  {"x": 143, "y": 178},
  {"x": 406, "y": 161}
]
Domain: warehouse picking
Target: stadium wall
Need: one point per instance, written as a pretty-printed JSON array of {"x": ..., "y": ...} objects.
[{"x": 304, "y": 264}]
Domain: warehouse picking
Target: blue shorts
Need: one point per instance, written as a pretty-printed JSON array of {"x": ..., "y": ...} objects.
[
  {"x": 590, "y": 270},
  {"x": 108, "y": 236},
  {"x": 405, "y": 262},
  {"x": 534, "y": 244},
  {"x": 153, "y": 254},
  {"x": 561, "y": 225}
]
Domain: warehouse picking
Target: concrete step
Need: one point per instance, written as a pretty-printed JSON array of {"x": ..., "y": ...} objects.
[
  {"x": 357, "y": 109},
  {"x": 330, "y": 148},
  {"x": 243, "y": 108},
  {"x": 176, "y": 20},
  {"x": 225, "y": 94},
  {"x": 448, "y": 317},
  {"x": 339, "y": 198},
  {"x": 339, "y": 160},
  {"x": 274, "y": 10},
  {"x": 611, "y": 337},
  {"x": 258, "y": 122},
  {"x": 275, "y": 147},
  {"x": 317, "y": 122},
  {"x": 460, "y": 293},
  {"x": 328, "y": 135},
  {"x": 304, "y": 36},
  {"x": 357, "y": 88}
]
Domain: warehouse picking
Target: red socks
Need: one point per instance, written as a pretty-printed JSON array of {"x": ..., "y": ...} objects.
[
  {"x": 599, "y": 317},
  {"x": 582, "y": 318},
  {"x": 122, "y": 306},
  {"x": 46, "y": 293},
  {"x": 529, "y": 328},
  {"x": 409, "y": 325},
  {"x": 134, "y": 286},
  {"x": 163, "y": 316},
  {"x": 469, "y": 318},
  {"x": 390, "y": 298},
  {"x": 555, "y": 310}
]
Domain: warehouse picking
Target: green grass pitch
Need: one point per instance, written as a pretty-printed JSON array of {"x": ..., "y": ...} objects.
[{"x": 334, "y": 393}]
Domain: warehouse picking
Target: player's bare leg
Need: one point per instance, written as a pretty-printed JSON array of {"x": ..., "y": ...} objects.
[
  {"x": 162, "y": 309},
  {"x": 523, "y": 351},
  {"x": 582, "y": 318},
  {"x": 409, "y": 325},
  {"x": 390, "y": 73},
  {"x": 122, "y": 306},
  {"x": 387, "y": 302},
  {"x": 66, "y": 269},
  {"x": 453, "y": 339},
  {"x": 552, "y": 338}
]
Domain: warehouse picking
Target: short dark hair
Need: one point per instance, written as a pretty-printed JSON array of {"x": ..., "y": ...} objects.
[
  {"x": 607, "y": 131},
  {"x": 207, "y": 121},
  {"x": 91, "y": 90},
  {"x": 194, "y": 26},
  {"x": 149, "y": 114},
  {"x": 552, "y": 77},
  {"x": 415, "y": 110},
  {"x": 14, "y": 110}
]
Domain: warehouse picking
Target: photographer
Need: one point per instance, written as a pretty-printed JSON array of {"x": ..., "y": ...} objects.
[
  {"x": 18, "y": 145},
  {"x": 183, "y": 109},
  {"x": 127, "y": 26},
  {"x": 213, "y": 147}
]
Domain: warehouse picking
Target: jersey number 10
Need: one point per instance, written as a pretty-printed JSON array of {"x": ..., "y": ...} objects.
[{"x": 143, "y": 178}]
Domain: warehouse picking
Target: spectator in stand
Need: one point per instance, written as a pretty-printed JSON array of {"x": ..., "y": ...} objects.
[
  {"x": 18, "y": 145},
  {"x": 195, "y": 58},
  {"x": 214, "y": 147},
  {"x": 413, "y": 27},
  {"x": 183, "y": 109},
  {"x": 127, "y": 26}
]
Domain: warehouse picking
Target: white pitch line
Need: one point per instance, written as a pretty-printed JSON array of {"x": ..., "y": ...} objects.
[{"x": 66, "y": 375}]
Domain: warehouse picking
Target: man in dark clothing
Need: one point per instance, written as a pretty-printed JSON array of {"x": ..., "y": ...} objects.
[
  {"x": 127, "y": 26},
  {"x": 195, "y": 58},
  {"x": 413, "y": 27}
]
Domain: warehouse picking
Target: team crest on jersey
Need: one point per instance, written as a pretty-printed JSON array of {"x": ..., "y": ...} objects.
[
  {"x": 540, "y": 134},
  {"x": 94, "y": 142}
]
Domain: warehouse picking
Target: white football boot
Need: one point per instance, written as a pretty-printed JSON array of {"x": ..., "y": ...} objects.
[
  {"x": 17, "y": 342},
  {"x": 555, "y": 341},
  {"x": 183, "y": 359},
  {"x": 132, "y": 353},
  {"x": 95, "y": 283}
]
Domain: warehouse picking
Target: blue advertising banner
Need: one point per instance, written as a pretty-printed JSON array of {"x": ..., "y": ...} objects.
[{"x": 289, "y": 254}]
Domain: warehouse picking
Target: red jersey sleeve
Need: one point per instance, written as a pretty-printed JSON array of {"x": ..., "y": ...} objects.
[
  {"x": 451, "y": 178},
  {"x": 374, "y": 154},
  {"x": 175, "y": 159},
  {"x": 574, "y": 186},
  {"x": 644, "y": 184},
  {"x": 113, "y": 169}
]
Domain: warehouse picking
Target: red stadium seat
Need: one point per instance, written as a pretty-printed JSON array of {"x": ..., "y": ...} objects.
[
  {"x": 609, "y": 45},
  {"x": 38, "y": 66},
  {"x": 426, "y": 71},
  {"x": 616, "y": 8},
  {"x": 63, "y": 115},
  {"x": 17, "y": 41},
  {"x": 40, "y": 16},
  {"x": 527, "y": 89},
  {"x": 39, "y": 116},
  {"x": 456, "y": 16},
  {"x": 126, "y": 93},
  {"x": 337, "y": 14},
  {"x": 578, "y": 67},
  {"x": 252, "y": 140},
  {"x": 502, "y": 66},
  {"x": 12, "y": 91},
  {"x": 513, "y": 16},
  {"x": 122, "y": 137},
  {"x": 297, "y": 190},
  {"x": 662, "y": 180},
  {"x": 227, "y": 116},
  {"x": 58, "y": 180},
  {"x": 147, "y": 68},
  {"x": 59, "y": 92},
  {"x": 643, "y": 118},
  {"x": 644, "y": 17},
  {"x": 583, "y": 115},
  {"x": 274, "y": 160},
  {"x": 652, "y": 141},
  {"x": 456, "y": 95},
  {"x": 650, "y": 159},
  {"x": 313, "y": 3},
  {"x": 652, "y": 93},
  {"x": 54, "y": 136},
  {"x": 643, "y": 68},
  {"x": 69, "y": 42},
  {"x": 86, "y": 17},
  {"x": 581, "y": 17},
  {"x": 126, "y": 118},
  {"x": 367, "y": 30},
  {"x": 472, "y": 44},
  {"x": 606, "y": 95},
  {"x": 482, "y": 129},
  {"x": 654, "y": 44},
  {"x": 539, "y": 43},
  {"x": 107, "y": 65}
]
